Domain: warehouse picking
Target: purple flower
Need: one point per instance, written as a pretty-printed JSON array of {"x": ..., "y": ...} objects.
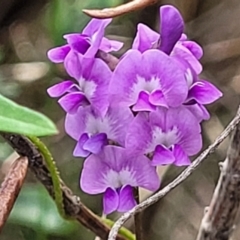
[
  {"x": 170, "y": 40},
  {"x": 92, "y": 132},
  {"x": 201, "y": 92},
  {"x": 169, "y": 135},
  {"x": 91, "y": 86},
  {"x": 86, "y": 43},
  {"x": 115, "y": 172},
  {"x": 145, "y": 81}
]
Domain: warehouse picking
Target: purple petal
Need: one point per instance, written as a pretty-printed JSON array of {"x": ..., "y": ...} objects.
[
  {"x": 181, "y": 53},
  {"x": 118, "y": 121},
  {"x": 171, "y": 27},
  {"x": 143, "y": 103},
  {"x": 130, "y": 167},
  {"x": 110, "y": 45},
  {"x": 194, "y": 48},
  {"x": 75, "y": 124},
  {"x": 97, "y": 76},
  {"x": 79, "y": 151},
  {"x": 181, "y": 157},
  {"x": 162, "y": 156},
  {"x": 139, "y": 135},
  {"x": 145, "y": 39},
  {"x": 156, "y": 98},
  {"x": 95, "y": 168},
  {"x": 95, "y": 30},
  {"x": 189, "y": 131},
  {"x": 110, "y": 201},
  {"x": 73, "y": 65},
  {"x": 126, "y": 199},
  {"x": 71, "y": 101},
  {"x": 78, "y": 42},
  {"x": 204, "y": 92},
  {"x": 199, "y": 111},
  {"x": 123, "y": 79},
  {"x": 59, "y": 89},
  {"x": 96, "y": 143},
  {"x": 172, "y": 77},
  {"x": 96, "y": 25},
  {"x": 58, "y": 54},
  {"x": 146, "y": 178}
]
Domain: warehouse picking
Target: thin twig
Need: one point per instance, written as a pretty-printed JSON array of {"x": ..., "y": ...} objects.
[
  {"x": 119, "y": 10},
  {"x": 11, "y": 187},
  {"x": 219, "y": 219},
  {"x": 73, "y": 207},
  {"x": 183, "y": 176}
]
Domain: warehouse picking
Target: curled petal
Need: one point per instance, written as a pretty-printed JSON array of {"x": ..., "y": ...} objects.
[
  {"x": 181, "y": 158},
  {"x": 162, "y": 156},
  {"x": 126, "y": 199},
  {"x": 110, "y": 201},
  {"x": 204, "y": 92},
  {"x": 78, "y": 42},
  {"x": 95, "y": 29},
  {"x": 58, "y": 54},
  {"x": 110, "y": 45},
  {"x": 95, "y": 143},
  {"x": 59, "y": 89},
  {"x": 199, "y": 111},
  {"x": 194, "y": 48},
  {"x": 79, "y": 151},
  {"x": 183, "y": 54},
  {"x": 143, "y": 103},
  {"x": 157, "y": 98},
  {"x": 145, "y": 39},
  {"x": 71, "y": 101},
  {"x": 171, "y": 27}
]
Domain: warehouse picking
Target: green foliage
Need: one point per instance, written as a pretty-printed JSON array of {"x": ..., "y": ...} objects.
[
  {"x": 18, "y": 119},
  {"x": 66, "y": 16},
  {"x": 34, "y": 209}
]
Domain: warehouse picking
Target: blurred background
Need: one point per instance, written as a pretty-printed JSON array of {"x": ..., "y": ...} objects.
[{"x": 29, "y": 28}]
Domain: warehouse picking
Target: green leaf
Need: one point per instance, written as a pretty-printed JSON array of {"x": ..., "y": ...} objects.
[
  {"x": 18, "y": 119},
  {"x": 35, "y": 210}
]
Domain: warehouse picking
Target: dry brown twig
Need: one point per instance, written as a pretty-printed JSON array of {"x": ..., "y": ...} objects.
[
  {"x": 73, "y": 207},
  {"x": 183, "y": 176},
  {"x": 11, "y": 187},
  {"x": 220, "y": 216},
  {"x": 119, "y": 10}
]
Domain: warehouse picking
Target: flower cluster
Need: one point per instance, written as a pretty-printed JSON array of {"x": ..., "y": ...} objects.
[{"x": 145, "y": 113}]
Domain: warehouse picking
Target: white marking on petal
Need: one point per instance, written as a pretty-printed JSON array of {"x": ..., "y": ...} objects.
[
  {"x": 107, "y": 125},
  {"x": 119, "y": 179},
  {"x": 87, "y": 87},
  {"x": 167, "y": 139},
  {"x": 189, "y": 77},
  {"x": 143, "y": 84},
  {"x": 128, "y": 177}
]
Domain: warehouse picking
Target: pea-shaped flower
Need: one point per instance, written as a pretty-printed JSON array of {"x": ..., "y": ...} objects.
[
  {"x": 169, "y": 136},
  {"x": 90, "y": 88},
  {"x": 115, "y": 172},
  {"x": 147, "y": 80},
  {"x": 92, "y": 131},
  {"x": 86, "y": 43}
]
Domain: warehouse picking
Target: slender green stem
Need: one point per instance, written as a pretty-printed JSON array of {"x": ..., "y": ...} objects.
[
  {"x": 53, "y": 171},
  {"x": 123, "y": 231}
]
